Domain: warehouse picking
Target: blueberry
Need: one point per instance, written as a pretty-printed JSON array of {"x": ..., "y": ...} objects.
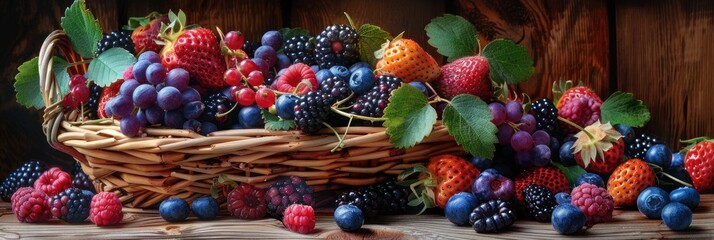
[
  {"x": 659, "y": 155},
  {"x": 249, "y": 117},
  {"x": 492, "y": 186},
  {"x": 677, "y": 216},
  {"x": 651, "y": 201},
  {"x": 139, "y": 71},
  {"x": 267, "y": 54},
  {"x": 149, "y": 56},
  {"x": 322, "y": 75},
  {"x": 283, "y": 61},
  {"x": 315, "y": 68},
  {"x": 361, "y": 80},
  {"x": 205, "y": 208},
  {"x": 193, "y": 125},
  {"x": 677, "y": 160},
  {"x": 685, "y": 195},
  {"x": 360, "y": 65},
  {"x": 349, "y": 218},
  {"x": 591, "y": 178},
  {"x": 208, "y": 127},
  {"x": 285, "y": 106},
  {"x": 566, "y": 154},
  {"x": 174, "y": 209},
  {"x": 340, "y": 71},
  {"x": 554, "y": 148},
  {"x": 567, "y": 219},
  {"x": 481, "y": 163},
  {"x": 563, "y": 198},
  {"x": 273, "y": 39},
  {"x": 459, "y": 207},
  {"x": 420, "y": 86},
  {"x": 628, "y": 134}
]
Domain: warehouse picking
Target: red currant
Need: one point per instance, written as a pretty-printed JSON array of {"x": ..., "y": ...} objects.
[
  {"x": 232, "y": 76},
  {"x": 246, "y": 66},
  {"x": 80, "y": 93},
  {"x": 246, "y": 97},
  {"x": 69, "y": 101},
  {"x": 234, "y": 92},
  {"x": 77, "y": 79},
  {"x": 255, "y": 78},
  {"x": 234, "y": 40},
  {"x": 265, "y": 97}
]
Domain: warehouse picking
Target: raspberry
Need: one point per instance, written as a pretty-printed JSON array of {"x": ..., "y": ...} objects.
[
  {"x": 285, "y": 192},
  {"x": 71, "y": 205},
  {"x": 581, "y": 110},
  {"x": 128, "y": 73},
  {"x": 594, "y": 201},
  {"x": 299, "y": 218},
  {"x": 30, "y": 205},
  {"x": 80, "y": 179},
  {"x": 114, "y": 39},
  {"x": 373, "y": 103},
  {"x": 53, "y": 181},
  {"x": 24, "y": 176},
  {"x": 247, "y": 202},
  {"x": 336, "y": 45},
  {"x": 300, "y": 50},
  {"x": 106, "y": 209},
  {"x": 540, "y": 202},
  {"x": 546, "y": 116}
]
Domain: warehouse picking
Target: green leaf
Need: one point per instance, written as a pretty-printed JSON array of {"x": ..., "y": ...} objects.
[
  {"x": 82, "y": 29},
  {"x": 371, "y": 38},
  {"x": 572, "y": 172},
  {"x": 27, "y": 84},
  {"x": 59, "y": 68},
  {"x": 508, "y": 61},
  {"x": 453, "y": 36},
  {"x": 623, "y": 108},
  {"x": 409, "y": 116},
  {"x": 109, "y": 66},
  {"x": 469, "y": 121},
  {"x": 288, "y": 33},
  {"x": 274, "y": 123}
]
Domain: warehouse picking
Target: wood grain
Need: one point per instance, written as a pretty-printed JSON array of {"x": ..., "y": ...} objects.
[
  {"x": 664, "y": 57},
  {"x": 626, "y": 224}
]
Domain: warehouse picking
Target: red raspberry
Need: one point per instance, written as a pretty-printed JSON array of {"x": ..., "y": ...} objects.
[
  {"x": 594, "y": 201},
  {"x": 299, "y": 218},
  {"x": 105, "y": 209},
  {"x": 247, "y": 202},
  {"x": 128, "y": 74},
  {"x": 53, "y": 181},
  {"x": 581, "y": 110},
  {"x": 30, "y": 205}
]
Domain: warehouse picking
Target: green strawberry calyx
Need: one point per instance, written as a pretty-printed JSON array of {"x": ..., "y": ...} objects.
[{"x": 421, "y": 187}]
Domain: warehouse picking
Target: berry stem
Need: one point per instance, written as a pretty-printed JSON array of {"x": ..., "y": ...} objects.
[
  {"x": 676, "y": 179},
  {"x": 339, "y": 143},
  {"x": 220, "y": 115},
  {"x": 576, "y": 126},
  {"x": 349, "y": 115}
]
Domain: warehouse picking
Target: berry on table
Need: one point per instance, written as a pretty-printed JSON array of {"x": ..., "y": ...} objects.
[
  {"x": 629, "y": 180},
  {"x": 205, "y": 208},
  {"x": 594, "y": 201},
  {"x": 24, "y": 176},
  {"x": 651, "y": 201},
  {"x": 383, "y": 198},
  {"x": 299, "y": 218},
  {"x": 567, "y": 219},
  {"x": 80, "y": 179},
  {"x": 71, "y": 205},
  {"x": 492, "y": 186},
  {"x": 459, "y": 207},
  {"x": 174, "y": 209},
  {"x": 247, "y": 202},
  {"x": 30, "y": 205},
  {"x": 492, "y": 216},
  {"x": 285, "y": 192},
  {"x": 348, "y": 217},
  {"x": 685, "y": 195},
  {"x": 540, "y": 202},
  {"x": 677, "y": 216},
  {"x": 106, "y": 209}
]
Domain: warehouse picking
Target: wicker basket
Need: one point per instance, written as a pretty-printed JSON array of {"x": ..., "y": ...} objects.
[{"x": 174, "y": 162}]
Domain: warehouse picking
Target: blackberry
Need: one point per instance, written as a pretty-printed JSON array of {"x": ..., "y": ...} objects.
[
  {"x": 337, "y": 45},
  {"x": 540, "y": 202},
  {"x": 24, "y": 176},
  {"x": 365, "y": 199},
  {"x": 285, "y": 192},
  {"x": 336, "y": 87},
  {"x": 115, "y": 39},
  {"x": 639, "y": 147},
  {"x": 300, "y": 49},
  {"x": 95, "y": 92},
  {"x": 546, "y": 116},
  {"x": 383, "y": 198},
  {"x": 80, "y": 179},
  {"x": 71, "y": 205},
  {"x": 215, "y": 104},
  {"x": 249, "y": 48},
  {"x": 492, "y": 216},
  {"x": 395, "y": 197},
  {"x": 311, "y": 110},
  {"x": 373, "y": 103}
]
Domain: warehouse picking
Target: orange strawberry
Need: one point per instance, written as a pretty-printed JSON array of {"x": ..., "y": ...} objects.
[
  {"x": 405, "y": 59},
  {"x": 549, "y": 177},
  {"x": 145, "y": 36},
  {"x": 107, "y": 94},
  {"x": 599, "y": 148},
  {"x": 699, "y": 163},
  {"x": 629, "y": 180},
  {"x": 577, "y": 92}
]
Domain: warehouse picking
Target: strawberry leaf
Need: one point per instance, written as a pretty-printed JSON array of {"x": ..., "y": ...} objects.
[
  {"x": 469, "y": 121},
  {"x": 371, "y": 38},
  {"x": 572, "y": 172},
  {"x": 508, "y": 61},
  {"x": 274, "y": 123},
  {"x": 59, "y": 68},
  {"x": 409, "y": 117},
  {"x": 452, "y": 36},
  {"x": 109, "y": 66},
  {"x": 288, "y": 33},
  {"x": 82, "y": 29},
  {"x": 623, "y": 108},
  {"x": 27, "y": 85}
]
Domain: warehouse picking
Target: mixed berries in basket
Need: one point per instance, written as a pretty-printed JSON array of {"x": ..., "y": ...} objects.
[{"x": 163, "y": 113}]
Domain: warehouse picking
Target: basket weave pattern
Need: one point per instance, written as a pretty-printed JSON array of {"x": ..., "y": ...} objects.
[{"x": 174, "y": 162}]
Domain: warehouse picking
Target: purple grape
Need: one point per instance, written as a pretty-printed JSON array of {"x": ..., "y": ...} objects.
[
  {"x": 139, "y": 71},
  {"x": 149, "y": 56},
  {"x": 144, "y": 96},
  {"x": 268, "y": 54},
  {"x": 128, "y": 86},
  {"x": 514, "y": 111},
  {"x": 283, "y": 61},
  {"x": 273, "y": 39},
  {"x": 169, "y": 98},
  {"x": 178, "y": 78},
  {"x": 190, "y": 95},
  {"x": 142, "y": 117},
  {"x": 154, "y": 115},
  {"x": 108, "y": 108},
  {"x": 524, "y": 159},
  {"x": 130, "y": 126},
  {"x": 262, "y": 65},
  {"x": 504, "y": 134},
  {"x": 160, "y": 86},
  {"x": 541, "y": 137},
  {"x": 527, "y": 123},
  {"x": 499, "y": 113},
  {"x": 173, "y": 119},
  {"x": 522, "y": 141},
  {"x": 193, "y": 110},
  {"x": 156, "y": 73},
  {"x": 193, "y": 125},
  {"x": 541, "y": 155},
  {"x": 122, "y": 106}
]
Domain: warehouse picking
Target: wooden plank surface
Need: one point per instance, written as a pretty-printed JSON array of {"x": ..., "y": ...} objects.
[{"x": 626, "y": 224}]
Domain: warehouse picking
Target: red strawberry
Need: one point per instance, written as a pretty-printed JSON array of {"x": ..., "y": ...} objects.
[
  {"x": 613, "y": 157},
  {"x": 599, "y": 148},
  {"x": 465, "y": 75},
  {"x": 196, "y": 50},
  {"x": 549, "y": 177},
  {"x": 295, "y": 74},
  {"x": 145, "y": 37},
  {"x": 444, "y": 176},
  {"x": 577, "y": 92},
  {"x": 699, "y": 163},
  {"x": 107, "y": 94}
]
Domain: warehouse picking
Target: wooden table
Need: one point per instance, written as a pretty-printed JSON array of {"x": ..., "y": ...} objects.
[{"x": 627, "y": 224}]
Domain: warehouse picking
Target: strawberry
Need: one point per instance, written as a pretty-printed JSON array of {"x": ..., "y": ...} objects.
[
  {"x": 465, "y": 75},
  {"x": 612, "y": 156},
  {"x": 107, "y": 94},
  {"x": 294, "y": 75},
  {"x": 444, "y": 176},
  {"x": 629, "y": 180},
  {"x": 145, "y": 36},
  {"x": 577, "y": 92},
  {"x": 549, "y": 177},
  {"x": 197, "y": 50},
  {"x": 699, "y": 163},
  {"x": 598, "y": 148},
  {"x": 405, "y": 59}
]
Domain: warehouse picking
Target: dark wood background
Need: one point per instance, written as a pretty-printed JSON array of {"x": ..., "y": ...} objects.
[{"x": 662, "y": 51}]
